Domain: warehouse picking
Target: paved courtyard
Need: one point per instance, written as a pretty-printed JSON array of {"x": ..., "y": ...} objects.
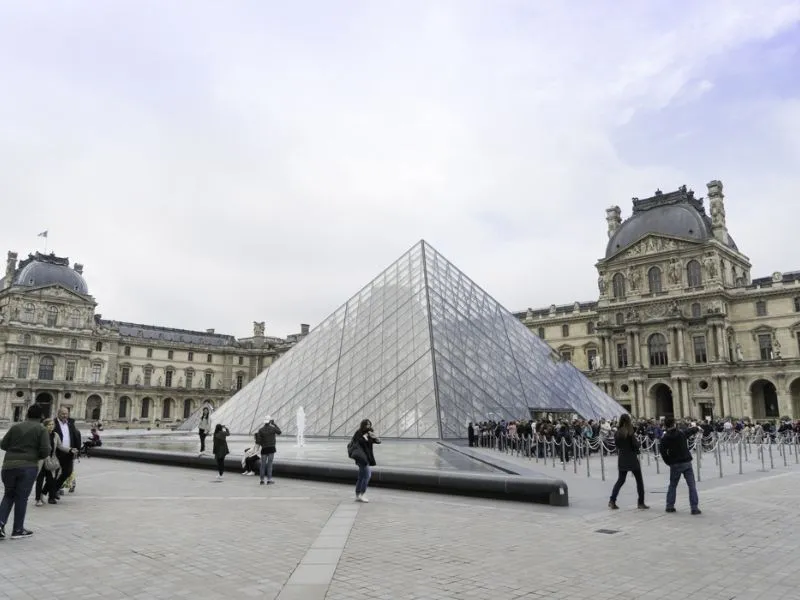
[{"x": 142, "y": 531}]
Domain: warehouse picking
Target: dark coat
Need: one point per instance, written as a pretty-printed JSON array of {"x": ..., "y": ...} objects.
[
  {"x": 365, "y": 442},
  {"x": 221, "y": 444},
  {"x": 627, "y": 452},
  {"x": 674, "y": 448},
  {"x": 266, "y": 437}
]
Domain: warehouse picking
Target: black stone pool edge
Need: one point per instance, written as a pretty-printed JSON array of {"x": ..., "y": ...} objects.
[{"x": 553, "y": 492}]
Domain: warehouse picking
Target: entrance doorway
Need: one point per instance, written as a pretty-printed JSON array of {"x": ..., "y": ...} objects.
[
  {"x": 794, "y": 390},
  {"x": 764, "y": 398},
  {"x": 94, "y": 405},
  {"x": 45, "y": 400},
  {"x": 18, "y": 413},
  {"x": 662, "y": 396},
  {"x": 706, "y": 410}
]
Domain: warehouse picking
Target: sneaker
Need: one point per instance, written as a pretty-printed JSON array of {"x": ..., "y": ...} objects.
[
  {"x": 246, "y": 473},
  {"x": 363, "y": 498},
  {"x": 21, "y": 534},
  {"x": 219, "y": 478},
  {"x": 642, "y": 506},
  {"x": 613, "y": 505},
  {"x": 262, "y": 482},
  {"x": 52, "y": 501},
  {"x": 2, "y": 533},
  {"x": 39, "y": 502},
  {"x": 671, "y": 510},
  {"x": 697, "y": 511},
  {"x": 270, "y": 482}
]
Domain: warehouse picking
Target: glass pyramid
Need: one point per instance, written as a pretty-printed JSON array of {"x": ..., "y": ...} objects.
[{"x": 420, "y": 351}]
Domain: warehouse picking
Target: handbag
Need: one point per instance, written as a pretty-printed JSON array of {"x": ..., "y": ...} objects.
[{"x": 51, "y": 464}]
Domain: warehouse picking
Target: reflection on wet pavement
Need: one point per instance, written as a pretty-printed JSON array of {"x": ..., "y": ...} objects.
[{"x": 418, "y": 455}]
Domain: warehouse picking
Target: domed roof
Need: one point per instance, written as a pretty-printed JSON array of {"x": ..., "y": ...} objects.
[
  {"x": 43, "y": 269},
  {"x": 677, "y": 214}
]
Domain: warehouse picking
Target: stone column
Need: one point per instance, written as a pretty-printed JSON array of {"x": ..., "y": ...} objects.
[
  {"x": 681, "y": 345},
  {"x": 687, "y": 409},
  {"x": 637, "y": 344},
  {"x": 726, "y": 402},
  {"x": 720, "y": 344}
]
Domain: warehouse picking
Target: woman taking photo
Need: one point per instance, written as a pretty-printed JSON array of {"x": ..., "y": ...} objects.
[
  {"x": 360, "y": 450},
  {"x": 627, "y": 460},
  {"x": 221, "y": 448}
]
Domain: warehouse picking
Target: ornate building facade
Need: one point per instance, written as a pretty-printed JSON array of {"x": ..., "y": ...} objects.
[
  {"x": 680, "y": 327},
  {"x": 55, "y": 350}
]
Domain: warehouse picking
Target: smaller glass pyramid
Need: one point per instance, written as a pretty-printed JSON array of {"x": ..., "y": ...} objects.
[{"x": 420, "y": 351}]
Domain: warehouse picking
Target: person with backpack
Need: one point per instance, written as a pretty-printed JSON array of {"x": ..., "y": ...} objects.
[
  {"x": 675, "y": 453},
  {"x": 266, "y": 437},
  {"x": 360, "y": 450}
]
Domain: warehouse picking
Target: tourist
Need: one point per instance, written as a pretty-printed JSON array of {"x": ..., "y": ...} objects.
[
  {"x": 250, "y": 460},
  {"x": 360, "y": 450},
  {"x": 627, "y": 461},
  {"x": 25, "y": 444},
  {"x": 266, "y": 438},
  {"x": 675, "y": 452},
  {"x": 220, "y": 448},
  {"x": 471, "y": 434},
  {"x": 70, "y": 439},
  {"x": 48, "y": 474},
  {"x": 205, "y": 429}
]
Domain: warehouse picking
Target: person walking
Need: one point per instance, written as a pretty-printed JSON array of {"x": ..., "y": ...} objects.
[
  {"x": 627, "y": 461},
  {"x": 220, "y": 448},
  {"x": 360, "y": 450},
  {"x": 204, "y": 428},
  {"x": 48, "y": 474},
  {"x": 70, "y": 438},
  {"x": 25, "y": 444},
  {"x": 266, "y": 438},
  {"x": 675, "y": 452}
]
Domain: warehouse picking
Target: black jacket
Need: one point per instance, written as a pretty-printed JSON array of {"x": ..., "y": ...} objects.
[
  {"x": 74, "y": 434},
  {"x": 366, "y": 447},
  {"x": 266, "y": 436},
  {"x": 674, "y": 448},
  {"x": 627, "y": 452}
]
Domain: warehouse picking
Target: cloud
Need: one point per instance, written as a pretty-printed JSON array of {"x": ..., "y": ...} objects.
[{"x": 213, "y": 165}]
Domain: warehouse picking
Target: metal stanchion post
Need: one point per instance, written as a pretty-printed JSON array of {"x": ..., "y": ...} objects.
[
  {"x": 575, "y": 457},
  {"x": 740, "y": 457},
  {"x": 602, "y": 461},
  {"x": 553, "y": 443},
  {"x": 730, "y": 450},
  {"x": 719, "y": 457},
  {"x": 658, "y": 462},
  {"x": 761, "y": 451},
  {"x": 564, "y": 454},
  {"x": 783, "y": 450},
  {"x": 699, "y": 449},
  {"x": 771, "y": 460},
  {"x": 796, "y": 457},
  {"x": 588, "y": 461}
]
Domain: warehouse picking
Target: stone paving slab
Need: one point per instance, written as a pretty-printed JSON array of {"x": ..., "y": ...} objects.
[{"x": 148, "y": 532}]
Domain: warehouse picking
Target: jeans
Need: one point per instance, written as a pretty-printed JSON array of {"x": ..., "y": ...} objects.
[
  {"x": 46, "y": 482},
  {"x": 364, "y": 473},
  {"x": 203, "y": 435},
  {"x": 18, "y": 483},
  {"x": 621, "y": 481},
  {"x": 266, "y": 465},
  {"x": 675, "y": 472}
]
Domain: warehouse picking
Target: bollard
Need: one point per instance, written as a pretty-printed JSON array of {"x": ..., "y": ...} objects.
[
  {"x": 602, "y": 461},
  {"x": 771, "y": 460},
  {"x": 657, "y": 455},
  {"x": 740, "y": 457},
  {"x": 719, "y": 457}
]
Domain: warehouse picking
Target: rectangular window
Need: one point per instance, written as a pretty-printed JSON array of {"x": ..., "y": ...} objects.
[
  {"x": 239, "y": 381},
  {"x": 97, "y": 371},
  {"x": 700, "y": 352},
  {"x": 126, "y": 375},
  {"x": 190, "y": 356},
  {"x": 797, "y": 305},
  {"x": 566, "y": 355},
  {"x": 189, "y": 377},
  {"x": 149, "y": 353},
  {"x": 622, "y": 355},
  {"x": 52, "y": 318},
  {"x": 241, "y": 360},
  {"x": 148, "y": 375},
  {"x": 145, "y": 414},
  {"x": 22, "y": 367},
  {"x": 127, "y": 351},
  {"x": 169, "y": 354},
  {"x": 69, "y": 373},
  {"x": 765, "y": 346},
  {"x": 591, "y": 357},
  {"x": 761, "y": 308},
  {"x": 209, "y": 358},
  {"x": 168, "y": 379},
  {"x": 208, "y": 381}
]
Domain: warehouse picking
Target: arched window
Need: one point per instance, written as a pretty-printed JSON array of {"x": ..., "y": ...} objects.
[
  {"x": 166, "y": 409},
  {"x": 26, "y": 339},
  {"x": 75, "y": 319},
  {"x": 654, "y": 280},
  {"x": 565, "y": 330},
  {"x": 657, "y": 347},
  {"x": 52, "y": 316},
  {"x": 187, "y": 408},
  {"x": 98, "y": 347},
  {"x": 620, "y": 318},
  {"x": 145, "y": 414},
  {"x": 46, "y": 367},
  {"x": 618, "y": 285},
  {"x": 590, "y": 328},
  {"x": 694, "y": 275},
  {"x": 73, "y": 344},
  {"x": 697, "y": 311},
  {"x": 29, "y": 313},
  {"x": 541, "y": 332},
  {"x": 123, "y": 407}
]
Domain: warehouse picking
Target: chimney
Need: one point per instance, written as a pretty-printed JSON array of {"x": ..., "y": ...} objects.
[
  {"x": 78, "y": 268},
  {"x": 716, "y": 206},
  {"x": 210, "y": 330},
  {"x": 303, "y": 329},
  {"x": 11, "y": 268},
  {"x": 614, "y": 219}
]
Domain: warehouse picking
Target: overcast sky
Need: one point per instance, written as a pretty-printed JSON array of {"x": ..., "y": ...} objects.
[{"x": 216, "y": 163}]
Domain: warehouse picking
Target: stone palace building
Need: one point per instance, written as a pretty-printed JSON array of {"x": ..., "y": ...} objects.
[
  {"x": 680, "y": 326},
  {"x": 55, "y": 350}
]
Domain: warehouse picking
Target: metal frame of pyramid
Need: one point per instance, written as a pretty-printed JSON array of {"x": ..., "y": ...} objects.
[{"x": 420, "y": 351}]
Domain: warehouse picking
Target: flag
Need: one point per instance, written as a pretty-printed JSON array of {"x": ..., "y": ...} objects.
[{"x": 43, "y": 234}]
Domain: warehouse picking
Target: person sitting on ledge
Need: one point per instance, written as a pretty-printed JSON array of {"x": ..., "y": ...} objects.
[{"x": 251, "y": 461}]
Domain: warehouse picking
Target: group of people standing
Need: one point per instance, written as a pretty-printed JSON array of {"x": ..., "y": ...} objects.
[
  {"x": 260, "y": 457},
  {"x": 38, "y": 453}
]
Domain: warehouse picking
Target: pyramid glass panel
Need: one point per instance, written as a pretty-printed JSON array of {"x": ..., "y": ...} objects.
[{"x": 420, "y": 351}]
